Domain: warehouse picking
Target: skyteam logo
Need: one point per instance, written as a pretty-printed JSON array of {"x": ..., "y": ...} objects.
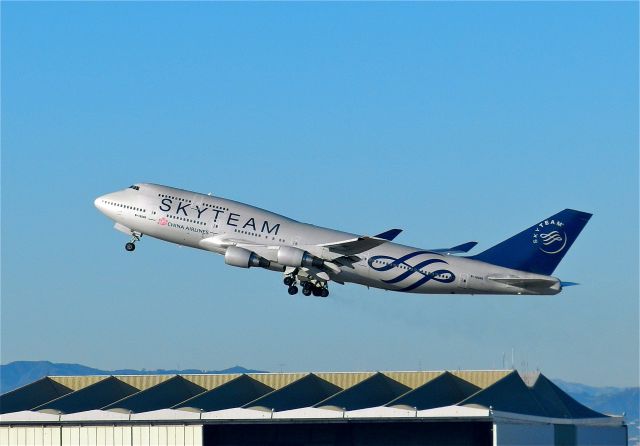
[
  {"x": 417, "y": 271},
  {"x": 549, "y": 236}
]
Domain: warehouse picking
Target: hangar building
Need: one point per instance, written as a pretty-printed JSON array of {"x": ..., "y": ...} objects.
[{"x": 494, "y": 407}]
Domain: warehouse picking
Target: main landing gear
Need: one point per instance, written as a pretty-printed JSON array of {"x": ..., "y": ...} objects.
[
  {"x": 131, "y": 246},
  {"x": 317, "y": 288},
  {"x": 290, "y": 283}
]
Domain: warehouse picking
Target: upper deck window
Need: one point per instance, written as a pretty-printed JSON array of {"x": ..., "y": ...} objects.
[{"x": 134, "y": 187}]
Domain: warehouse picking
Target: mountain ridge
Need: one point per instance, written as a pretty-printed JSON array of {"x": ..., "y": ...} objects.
[{"x": 20, "y": 373}]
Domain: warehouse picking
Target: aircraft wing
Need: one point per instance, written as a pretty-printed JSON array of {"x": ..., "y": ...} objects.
[
  {"x": 459, "y": 249},
  {"x": 216, "y": 241},
  {"x": 224, "y": 242},
  {"x": 361, "y": 244}
]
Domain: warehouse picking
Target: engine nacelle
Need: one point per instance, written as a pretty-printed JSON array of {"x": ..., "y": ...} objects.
[
  {"x": 244, "y": 258},
  {"x": 290, "y": 256}
]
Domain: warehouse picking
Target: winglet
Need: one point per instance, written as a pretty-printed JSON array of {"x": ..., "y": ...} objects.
[{"x": 389, "y": 235}]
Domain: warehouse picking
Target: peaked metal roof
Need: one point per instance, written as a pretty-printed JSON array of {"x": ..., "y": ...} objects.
[
  {"x": 235, "y": 393},
  {"x": 557, "y": 403},
  {"x": 445, "y": 390},
  {"x": 79, "y": 382},
  {"x": 304, "y": 392},
  {"x": 543, "y": 399},
  {"x": 374, "y": 391},
  {"x": 510, "y": 394},
  {"x": 161, "y": 396},
  {"x": 220, "y": 396},
  {"x": 277, "y": 380},
  {"x": 32, "y": 395},
  {"x": 94, "y": 396}
]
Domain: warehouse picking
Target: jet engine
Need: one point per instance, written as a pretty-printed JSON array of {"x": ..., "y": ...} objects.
[
  {"x": 290, "y": 256},
  {"x": 244, "y": 258}
]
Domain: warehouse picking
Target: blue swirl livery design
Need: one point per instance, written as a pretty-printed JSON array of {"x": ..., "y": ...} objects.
[{"x": 387, "y": 263}]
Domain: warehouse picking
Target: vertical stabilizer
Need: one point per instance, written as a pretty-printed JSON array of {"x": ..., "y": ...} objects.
[{"x": 540, "y": 248}]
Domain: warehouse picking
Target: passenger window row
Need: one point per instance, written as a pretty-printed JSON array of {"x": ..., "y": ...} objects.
[
  {"x": 187, "y": 220},
  {"x": 184, "y": 200},
  {"x": 247, "y": 233},
  {"x": 120, "y": 205},
  {"x": 239, "y": 231},
  {"x": 213, "y": 206}
]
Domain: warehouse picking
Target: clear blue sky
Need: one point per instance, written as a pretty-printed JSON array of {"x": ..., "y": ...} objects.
[{"x": 453, "y": 121}]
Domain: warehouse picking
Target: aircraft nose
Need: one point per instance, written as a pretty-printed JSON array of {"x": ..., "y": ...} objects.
[{"x": 99, "y": 203}]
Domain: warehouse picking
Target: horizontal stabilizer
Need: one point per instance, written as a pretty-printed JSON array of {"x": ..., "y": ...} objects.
[
  {"x": 564, "y": 284},
  {"x": 459, "y": 249},
  {"x": 526, "y": 283}
]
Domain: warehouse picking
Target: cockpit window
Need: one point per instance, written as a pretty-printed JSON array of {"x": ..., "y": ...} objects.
[{"x": 134, "y": 187}]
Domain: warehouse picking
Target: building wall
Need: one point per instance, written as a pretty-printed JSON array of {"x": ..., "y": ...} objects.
[
  {"x": 137, "y": 435},
  {"x": 504, "y": 434},
  {"x": 361, "y": 433},
  {"x": 525, "y": 434},
  {"x": 29, "y": 436},
  {"x": 512, "y": 434},
  {"x": 601, "y": 436}
]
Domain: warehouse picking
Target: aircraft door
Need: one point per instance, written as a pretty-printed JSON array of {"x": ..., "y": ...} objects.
[
  {"x": 211, "y": 225},
  {"x": 362, "y": 267},
  {"x": 464, "y": 280}
]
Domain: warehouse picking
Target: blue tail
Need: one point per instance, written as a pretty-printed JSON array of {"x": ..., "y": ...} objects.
[{"x": 539, "y": 248}]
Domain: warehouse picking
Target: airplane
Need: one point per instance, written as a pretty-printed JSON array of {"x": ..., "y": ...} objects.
[{"x": 311, "y": 256}]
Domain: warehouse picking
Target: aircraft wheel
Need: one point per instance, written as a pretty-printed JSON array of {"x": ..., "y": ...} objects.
[
  {"x": 317, "y": 292},
  {"x": 292, "y": 290},
  {"x": 288, "y": 281},
  {"x": 130, "y": 246},
  {"x": 324, "y": 292},
  {"x": 306, "y": 291}
]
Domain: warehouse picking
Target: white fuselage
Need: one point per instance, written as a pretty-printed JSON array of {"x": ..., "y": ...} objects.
[{"x": 212, "y": 223}]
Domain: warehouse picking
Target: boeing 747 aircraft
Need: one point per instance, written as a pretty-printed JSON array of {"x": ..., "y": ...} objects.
[{"x": 311, "y": 256}]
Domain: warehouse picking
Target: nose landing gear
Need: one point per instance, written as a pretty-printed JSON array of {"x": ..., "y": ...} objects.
[{"x": 131, "y": 246}]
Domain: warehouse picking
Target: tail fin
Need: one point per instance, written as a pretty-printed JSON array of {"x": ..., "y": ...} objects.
[{"x": 539, "y": 248}]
